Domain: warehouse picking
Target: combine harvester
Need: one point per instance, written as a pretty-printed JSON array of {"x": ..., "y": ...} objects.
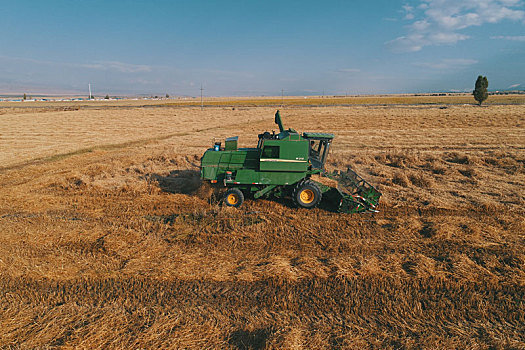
[{"x": 282, "y": 165}]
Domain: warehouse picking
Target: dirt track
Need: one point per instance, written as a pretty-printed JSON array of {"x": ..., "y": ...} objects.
[{"x": 108, "y": 239}]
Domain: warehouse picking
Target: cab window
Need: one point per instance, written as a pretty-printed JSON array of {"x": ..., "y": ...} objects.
[{"x": 270, "y": 152}]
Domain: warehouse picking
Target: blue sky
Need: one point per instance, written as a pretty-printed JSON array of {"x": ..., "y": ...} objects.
[{"x": 260, "y": 47}]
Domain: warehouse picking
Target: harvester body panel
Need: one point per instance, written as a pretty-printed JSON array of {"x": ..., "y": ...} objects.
[{"x": 284, "y": 155}]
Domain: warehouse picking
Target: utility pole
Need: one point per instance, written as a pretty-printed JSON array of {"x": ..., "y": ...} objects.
[
  {"x": 202, "y": 103},
  {"x": 282, "y": 97}
]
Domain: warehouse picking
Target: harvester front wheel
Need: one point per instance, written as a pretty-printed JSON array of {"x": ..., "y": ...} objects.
[
  {"x": 307, "y": 195},
  {"x": 233, "y": 197}
]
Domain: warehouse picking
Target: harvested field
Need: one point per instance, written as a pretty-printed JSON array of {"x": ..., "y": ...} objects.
[{"x": 109, "y": 240}]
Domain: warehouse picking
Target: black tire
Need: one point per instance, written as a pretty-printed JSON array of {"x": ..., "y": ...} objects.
[
  {"x": 233, "y": 197},
  {"x": 307, "y": 195}
]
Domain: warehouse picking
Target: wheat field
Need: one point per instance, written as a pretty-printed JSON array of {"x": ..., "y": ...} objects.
[{"x": 109, "y": 239}]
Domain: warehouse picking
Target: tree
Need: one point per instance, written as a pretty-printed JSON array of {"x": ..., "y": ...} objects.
[
  {"x": 107, "y": 97},
  {"x": 25, "y": 96},
  {"x": 480, "y": 90}
]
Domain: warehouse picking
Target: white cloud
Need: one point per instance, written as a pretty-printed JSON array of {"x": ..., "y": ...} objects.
[
  {"x": 446, "y": 38},
  {"x": 447, "y": 63},
  {"x": 349, "y": 70},
  {"x": 511, "y": 38},
  {"x": 514, "y": 86},
  {"x": 98, "y": 65},
  {"x": 439, "y": 22},
  {"x": 420, "y": 26},
  {"x": 409, "y": 12},
  {"x": 411, "y": 43},
  {"x": 116, "y": 66}
]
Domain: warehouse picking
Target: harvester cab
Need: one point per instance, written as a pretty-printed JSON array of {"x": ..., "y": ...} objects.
[
  {"x": 282, "y": 165},
  {"x": 318, "y": 147}
]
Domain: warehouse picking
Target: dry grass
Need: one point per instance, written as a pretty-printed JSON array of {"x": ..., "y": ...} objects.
[{"x": 121, "y": 247}]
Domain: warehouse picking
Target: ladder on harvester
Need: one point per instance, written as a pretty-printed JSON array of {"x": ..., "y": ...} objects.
[{"x": 354, "y": 194}]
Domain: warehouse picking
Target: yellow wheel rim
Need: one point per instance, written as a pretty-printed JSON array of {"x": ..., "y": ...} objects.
[
  {"x": 232, "y": 199},
  {"x": 307, "y": 196}
]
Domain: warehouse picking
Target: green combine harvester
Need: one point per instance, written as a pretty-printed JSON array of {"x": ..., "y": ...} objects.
[{"x": 282, "y": 166}]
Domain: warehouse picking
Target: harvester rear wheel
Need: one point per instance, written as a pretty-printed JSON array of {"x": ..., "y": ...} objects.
[
  {"x": 307, "y": 195},
  {"x": 233, "y": 197}
]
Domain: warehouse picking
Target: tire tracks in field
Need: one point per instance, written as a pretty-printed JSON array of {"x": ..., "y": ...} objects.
[{"x": 106, "y": 147}]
